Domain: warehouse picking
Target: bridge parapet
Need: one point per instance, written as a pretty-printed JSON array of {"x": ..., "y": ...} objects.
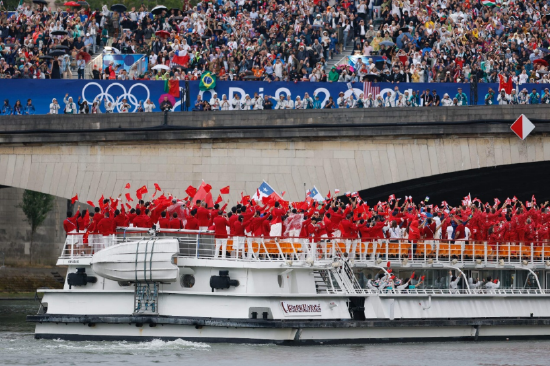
[{"x": 269, "y": 124}]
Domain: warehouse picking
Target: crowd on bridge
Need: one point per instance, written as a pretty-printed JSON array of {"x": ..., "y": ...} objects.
[
  {"x": 316, "y": 218},
  {"x": 418, "y": 40}
]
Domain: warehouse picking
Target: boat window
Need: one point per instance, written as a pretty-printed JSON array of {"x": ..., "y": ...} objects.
[{"x": 187, "y": 281}]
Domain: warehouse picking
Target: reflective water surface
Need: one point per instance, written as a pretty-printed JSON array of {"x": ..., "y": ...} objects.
[{"x": 18, "y": 347}]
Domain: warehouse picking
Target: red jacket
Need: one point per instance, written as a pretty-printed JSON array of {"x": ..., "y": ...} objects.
[
  {"x": 143, "y": 221},
  {"x": 70, "y": 223},
  {"x": 220, "y": 224},
  {"x": 203, "y": 215},
  {"x": 192, "y": 223},
  {"x": 164, "y": 223},
  {"x": 106, "y": 226},
  {"x": 176, "y": 224}
]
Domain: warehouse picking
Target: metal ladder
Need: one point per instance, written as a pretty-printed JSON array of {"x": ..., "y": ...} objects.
[
  {"x": 146, "y": 298},
  {"x": 146, "y": 292}
]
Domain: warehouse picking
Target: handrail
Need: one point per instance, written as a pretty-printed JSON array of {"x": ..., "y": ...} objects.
[{"x": 363, "y": 252}]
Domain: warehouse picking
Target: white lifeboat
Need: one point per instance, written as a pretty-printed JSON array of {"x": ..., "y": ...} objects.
[{"x": 144, "y": 260}]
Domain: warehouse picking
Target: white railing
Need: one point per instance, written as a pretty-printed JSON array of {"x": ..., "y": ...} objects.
[
  {"x": 459, "y": 292},
  {"x": 373, "y": 252},
  {"x": 96, "y": 61}
]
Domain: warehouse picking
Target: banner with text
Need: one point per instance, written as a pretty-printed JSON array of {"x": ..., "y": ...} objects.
[{"x": 43, "y": 91}]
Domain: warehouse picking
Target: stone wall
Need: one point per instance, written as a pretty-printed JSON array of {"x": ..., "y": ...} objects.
[
  {"x": 15, "y": 231},
  {"x": 349, "y": 164},
  {"x": 274, "y": 124}
]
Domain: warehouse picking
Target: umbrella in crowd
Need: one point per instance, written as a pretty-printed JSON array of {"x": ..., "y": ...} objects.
[
  {"x": 399, "y": 40},
  {"x": 161, "y": 67},
  {"x": 84, "y": 3},
  {"x": 540, "y": 61},
  {"x": 73, "y": 4},
  {"x": 372, "y": 77},
  {"x": 387, "y": 43},
  {"x": 85, "y": 56},
  {"x": 45, "y": 57},
  {"x": 43, "y": 2},
  {"x": 545, "y": 50},
  {"x": 119, "y": 8},
  {"x": 61, "y": 47},
  {"x": 59, "y": 33},
  {"x": 159, "y": 9},
  {"x": 170, "y": 98},
  {"x": 162, "y": 34},
  {"x": 57, "y": 53}
]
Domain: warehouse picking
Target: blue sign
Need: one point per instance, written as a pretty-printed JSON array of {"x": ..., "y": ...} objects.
[
  {"x": 124, "y": 61},
  {"x": 43, "y": 91}
]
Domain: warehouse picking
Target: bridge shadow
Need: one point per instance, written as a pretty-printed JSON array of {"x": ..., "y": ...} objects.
[{"x": 520, "y": 180}]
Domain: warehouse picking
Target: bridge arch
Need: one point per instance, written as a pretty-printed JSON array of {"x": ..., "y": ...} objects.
[{"x": 349, "y": 164}]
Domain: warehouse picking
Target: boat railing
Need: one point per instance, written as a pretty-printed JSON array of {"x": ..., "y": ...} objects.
[
  {"x": 436, "y": 252},
  {"x": 458, "y": 292}
]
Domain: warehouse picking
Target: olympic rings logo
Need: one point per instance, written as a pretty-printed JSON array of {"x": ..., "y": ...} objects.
[{"x": 117, "y": 103}]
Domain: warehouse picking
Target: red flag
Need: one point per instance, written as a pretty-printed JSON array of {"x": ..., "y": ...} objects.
[
  {"x": 283, "y": 193},
  {"x": 328, "y": 195},
  {"x": 219, "y": 199},
  {"x": 391, "y": 197},
  {"x": 74, "y": 199},
  {"x": 181, "y": 60},
  {"x": 224, "y": 190},
  {"x": 412, "y": 276},
  {"x": 258, "y": 192},
  {"x": 506, "y": 85},
  {"x": 128, "y": 197},
  {"x": 129, "y": 207},
  {"x": 203, "y": 195},
  {"x": 90, "y": 203},
  {"x": 127, "y": 186},
  {"x": 174, "y": 88},
  {"x": 423, "y": 277},
  {"x": 157, "y": 187},
  {"x": 191, "y": 191},
  {"x": 388, "y": 264},
  {"x": 101, "y": 202},
  {"x": 245, "y": 200},
  {"x": 207, "y": 187},
  {"x": 141, "y": 191}
]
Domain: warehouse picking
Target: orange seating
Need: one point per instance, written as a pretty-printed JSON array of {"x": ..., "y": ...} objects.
[
  {"x": 405, "y": 249},
  {"x": 469, "y": 251},
  {"x": 503, "y": 250},
  {"x": 381, "y": 248},
  {"x": 456, "y": 250},
  {"x": 537, "y": 252},
  {"x": 370, "y": 247},
  {"x": 479, "y": 250},
  {"x": 342, "y": 246},
  {"x": 255, "y": 247},
  {"x": 423, "y": 249},
  {"x": 393, "y": 249},
  {"x": 229, "y": 245},
  {"x": 515, "y": 250},
  {"x": 444, "y": 249}
]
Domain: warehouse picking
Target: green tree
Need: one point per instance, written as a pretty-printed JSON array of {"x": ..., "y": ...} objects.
[{"x": 36, "y": 207}]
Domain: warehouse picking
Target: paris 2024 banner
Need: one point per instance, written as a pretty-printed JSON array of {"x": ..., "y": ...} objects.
[{"x": 42, "y": 92}]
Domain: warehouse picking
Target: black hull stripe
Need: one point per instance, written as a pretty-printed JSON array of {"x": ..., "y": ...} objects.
[
  {"x": 284, "y": 324},
  {"x": 80, "y": 337}
]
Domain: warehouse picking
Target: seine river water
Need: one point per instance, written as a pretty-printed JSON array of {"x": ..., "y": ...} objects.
[{"x": 18, "y": 347}]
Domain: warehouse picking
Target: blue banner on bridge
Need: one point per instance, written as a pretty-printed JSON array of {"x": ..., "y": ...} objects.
[{"x": 43, "y": 91}]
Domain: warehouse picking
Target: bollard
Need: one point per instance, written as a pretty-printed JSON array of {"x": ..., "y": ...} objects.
[{"x": 165, "y": 117}]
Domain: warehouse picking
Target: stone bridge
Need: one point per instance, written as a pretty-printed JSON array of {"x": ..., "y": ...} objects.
[{"x": 351, "y": 150}]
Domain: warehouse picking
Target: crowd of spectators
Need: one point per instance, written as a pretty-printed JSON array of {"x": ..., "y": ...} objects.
[{"x": 421, "y": 41}]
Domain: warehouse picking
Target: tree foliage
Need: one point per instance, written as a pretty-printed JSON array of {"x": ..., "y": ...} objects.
[{"x": 36, "y": 207}]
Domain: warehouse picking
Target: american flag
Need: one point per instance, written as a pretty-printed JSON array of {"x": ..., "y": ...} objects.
[{"x": 369, "y": 88}]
